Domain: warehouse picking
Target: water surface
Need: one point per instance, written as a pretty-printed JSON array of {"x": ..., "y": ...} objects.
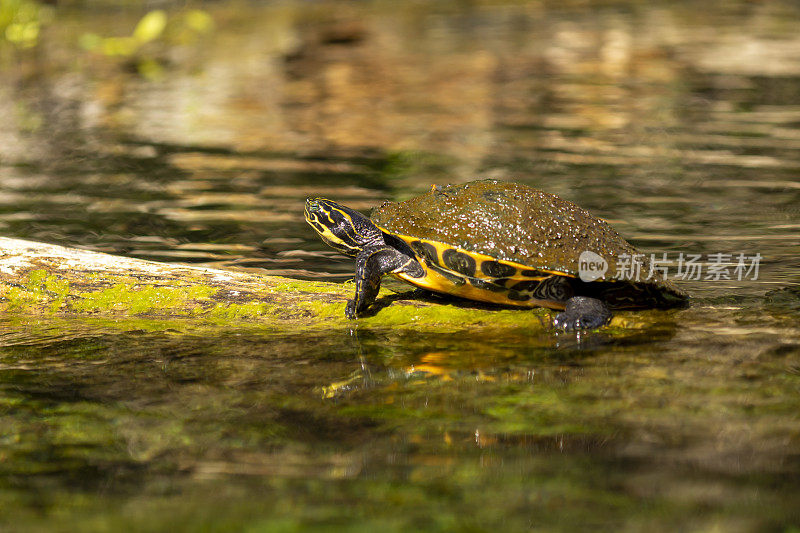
[{"x": 679, "y": 126}]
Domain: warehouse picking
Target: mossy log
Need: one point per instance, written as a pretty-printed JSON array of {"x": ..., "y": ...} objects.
[{"x": 45, "y": 280}]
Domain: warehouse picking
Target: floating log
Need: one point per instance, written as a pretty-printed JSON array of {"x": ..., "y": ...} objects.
[{"x": 46, "y": 280}]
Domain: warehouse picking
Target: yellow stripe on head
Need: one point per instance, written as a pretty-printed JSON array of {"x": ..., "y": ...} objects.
[{"x": 340, "y": 227}]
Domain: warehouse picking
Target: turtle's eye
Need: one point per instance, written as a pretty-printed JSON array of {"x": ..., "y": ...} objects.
[{"x": 312, "y": 205}]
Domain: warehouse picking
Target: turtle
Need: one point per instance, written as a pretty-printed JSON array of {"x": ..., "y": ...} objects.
[{"x": 497, "y": 242}]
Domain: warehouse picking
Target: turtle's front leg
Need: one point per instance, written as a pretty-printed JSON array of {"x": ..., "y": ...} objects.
[
  {"x": 372, "y": 263},
  {"x": 582, "y": 312}
]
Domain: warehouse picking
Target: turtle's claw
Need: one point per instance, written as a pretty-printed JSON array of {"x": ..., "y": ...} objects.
[
  {"x": 582, "y": 312},
  {"x": 350, "y": 310}
]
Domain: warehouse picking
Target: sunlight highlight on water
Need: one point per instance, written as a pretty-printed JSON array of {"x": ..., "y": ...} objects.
[{"x": 680, "y": 126}]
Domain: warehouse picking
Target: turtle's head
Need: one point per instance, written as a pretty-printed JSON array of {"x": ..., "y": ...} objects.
[{"x": 340, "y": 227}]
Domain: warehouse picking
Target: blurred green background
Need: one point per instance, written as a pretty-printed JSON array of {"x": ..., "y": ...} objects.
[{"x": 193, "y": 131}]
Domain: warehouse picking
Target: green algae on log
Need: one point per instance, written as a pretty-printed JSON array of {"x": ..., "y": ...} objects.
[{"x": 49, "y": 280}]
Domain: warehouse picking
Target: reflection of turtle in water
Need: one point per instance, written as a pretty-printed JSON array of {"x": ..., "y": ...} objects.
[{"x": 495, "y": 242}]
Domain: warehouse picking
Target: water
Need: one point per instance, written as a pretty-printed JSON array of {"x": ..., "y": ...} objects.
[{"x": 679, "y": 126}]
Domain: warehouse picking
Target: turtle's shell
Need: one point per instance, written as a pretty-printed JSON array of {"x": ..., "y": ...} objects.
[{"x": 507, "y": 234}]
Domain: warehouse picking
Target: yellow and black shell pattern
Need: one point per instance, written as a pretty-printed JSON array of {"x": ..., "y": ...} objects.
[{"x": 511, "y": 244}]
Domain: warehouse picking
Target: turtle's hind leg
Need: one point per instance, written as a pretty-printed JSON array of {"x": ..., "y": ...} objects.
[
  {"x": 372, "y": 263},
  {"x": 582, "y": 312}
]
